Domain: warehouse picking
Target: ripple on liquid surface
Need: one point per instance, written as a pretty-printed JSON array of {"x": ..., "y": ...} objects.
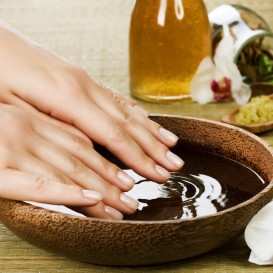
[{"x": 206, "y": 184}]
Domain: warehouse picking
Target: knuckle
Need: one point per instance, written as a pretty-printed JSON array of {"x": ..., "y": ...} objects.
[
  {"x": 6, "y": 155},
  {"x": 108, "y": 167},
  {"x": 81, "y": 140},
  {"x": 117, "y": 99},
  {"x": 78, "y": 144},
  {"x": 124, "y": 116},
  {"x": 17, "y": 126},
  {"x": 76, "y": 167},
  {"x": 72, "y": 89},
  {"x": 89, "y": 143},
  {"x": 16, "y": 122},
  {"x": 145, "y": 160},
  {"x": 117, "y": 134},
  {"x": 78, "y": 71},
  {"x": 113, "y": 192},
  {"x": 59, "y": 177},
  {"x": 41, "y": 185}
]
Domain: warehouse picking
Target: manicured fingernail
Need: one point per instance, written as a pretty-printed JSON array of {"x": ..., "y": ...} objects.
[
  {"x": 115, "y": 214},
  {"x": 171, "y": 137},
  {"x": 177, "y": 161},
  {"x": 163, "y": 172},
  {"x": 128, "y": 201},
  {"x": 96, "y": 196},
  {"x": 141, "y": 110},
  {"x": 125, "y": 179}
]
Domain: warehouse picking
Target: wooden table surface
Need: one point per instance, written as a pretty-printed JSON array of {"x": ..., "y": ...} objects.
[{"x": 94, "y": 34}]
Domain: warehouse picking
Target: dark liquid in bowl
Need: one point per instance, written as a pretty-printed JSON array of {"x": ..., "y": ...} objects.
[{"x": 207, "y": 183}]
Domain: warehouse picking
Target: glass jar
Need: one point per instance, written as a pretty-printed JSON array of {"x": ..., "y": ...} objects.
[
  {"x": 253, "y": 41},
  {"x": 168, "y": 40}
]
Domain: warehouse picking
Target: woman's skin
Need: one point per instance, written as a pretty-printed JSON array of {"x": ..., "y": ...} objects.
[{"x": 51, "y": 112}]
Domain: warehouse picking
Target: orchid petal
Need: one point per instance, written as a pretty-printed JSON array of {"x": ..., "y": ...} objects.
[
  {"x": 223, "y": 59},
  {"x": 200, "y": 84},
  {"x": 225, "y": 48},
  {"x": 242, "y": 95},
  {"x": 214, "y": 81},
  {"x": 230, "y": 70},
  {"x": 224, "y": 55}
]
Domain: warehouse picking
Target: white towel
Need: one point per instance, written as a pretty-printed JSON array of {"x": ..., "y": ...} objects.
[
  {"x": 259, "y": 236},
  {"x": 57, "y": 208}
]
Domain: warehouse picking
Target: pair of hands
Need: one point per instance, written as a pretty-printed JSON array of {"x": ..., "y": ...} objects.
[{"x": 50, "y": 113}]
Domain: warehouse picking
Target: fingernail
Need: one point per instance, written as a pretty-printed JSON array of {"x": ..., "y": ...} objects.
[
  {"x": 96, "y": 196},
  {"x": 171, "y": 137},
  {"x": 115, "y": 214},
  {"x": 141, "y": 110},
  {"x": 125, "y": 179},
  {"x": 128, "y": 201},
  {"x": 163, "y": 172},
  {"x": 177, "y": 161}
]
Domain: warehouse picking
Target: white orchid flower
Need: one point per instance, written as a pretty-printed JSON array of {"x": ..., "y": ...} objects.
[{"x": 220, "y": 79}]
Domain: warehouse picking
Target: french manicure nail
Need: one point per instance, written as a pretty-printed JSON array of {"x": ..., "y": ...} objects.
[
  {"x": 125, "y": 179},
  {"x": 163, "y": 172},
  {"x": 115, "y": 214},
  {"x": 128, "y": 201},
  {"x": 177, "y": 161},
  {"x": 171, "y": 137},
  {"x": 93, "y": 195}
]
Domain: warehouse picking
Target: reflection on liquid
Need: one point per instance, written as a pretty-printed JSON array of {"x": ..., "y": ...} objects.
[
  {"x": 207, "y": 183},
  {"x": 182, "y": 196}
]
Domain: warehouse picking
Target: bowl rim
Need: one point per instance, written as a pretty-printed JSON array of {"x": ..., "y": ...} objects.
[{"x": 175, "y": 221}]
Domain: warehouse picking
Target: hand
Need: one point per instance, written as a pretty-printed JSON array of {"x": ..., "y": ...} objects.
[
  {"x": 42, "y": 162},
  {"x": 36, "y": 80}
]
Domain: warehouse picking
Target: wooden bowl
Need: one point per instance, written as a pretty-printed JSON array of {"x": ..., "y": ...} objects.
[{"x": 132, "y": 243}]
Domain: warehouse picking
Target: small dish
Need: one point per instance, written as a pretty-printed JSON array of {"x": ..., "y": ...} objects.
[{"x": 255, "y": 128}]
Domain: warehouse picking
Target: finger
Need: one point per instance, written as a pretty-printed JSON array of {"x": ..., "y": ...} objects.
[
  {"x": 114, "y": 104},
  {"x": 49, "y": 155},
  {"x": 155, "y": 149},
  {"x": 19, "y": 185},
  {"x": 19, "y": 102},
  {"x": 30, "y": 187},
  {"x": 160, "y": 133},
  {"x": 66, "y": 171},
  {"x": 113, "y": 137},
  {"x": 81, "y": 150},
  {"x": 100, "y": 211},
  {"x": 127, "y": 99},
  {"x": 97, "y": 84}
]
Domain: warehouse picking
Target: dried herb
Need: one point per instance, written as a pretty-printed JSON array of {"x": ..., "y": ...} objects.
[
  {"x": 259, "y": 110},
  {"x": 256, "y": 62}
]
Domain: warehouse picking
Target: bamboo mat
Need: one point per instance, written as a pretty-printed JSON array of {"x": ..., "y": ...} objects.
[{"x": 94, "y": 34}]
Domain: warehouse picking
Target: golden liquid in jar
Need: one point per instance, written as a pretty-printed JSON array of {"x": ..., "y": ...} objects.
[{"x": 167, "y": 48}]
